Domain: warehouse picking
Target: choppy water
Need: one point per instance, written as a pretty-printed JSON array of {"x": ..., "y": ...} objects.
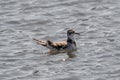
[{"x": 98, "y": 54}]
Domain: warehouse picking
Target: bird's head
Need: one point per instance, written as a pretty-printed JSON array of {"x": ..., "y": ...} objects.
[{"x": 71, "y": 33}]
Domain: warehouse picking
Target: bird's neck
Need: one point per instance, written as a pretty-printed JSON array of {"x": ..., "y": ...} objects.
[{"x": 70, "y": 40}]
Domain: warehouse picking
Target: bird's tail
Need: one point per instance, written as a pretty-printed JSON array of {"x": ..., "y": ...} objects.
[{"x": 41, "y": 42}]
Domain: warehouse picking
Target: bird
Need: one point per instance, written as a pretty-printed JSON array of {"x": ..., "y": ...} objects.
[{"x": 60, "y": 46}]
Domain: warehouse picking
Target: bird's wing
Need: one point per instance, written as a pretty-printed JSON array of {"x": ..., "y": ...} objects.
[
  {"x": 60, "y": 43},
  {"x": 52, "y": 45},
  {"x": 41, "y": 42}
]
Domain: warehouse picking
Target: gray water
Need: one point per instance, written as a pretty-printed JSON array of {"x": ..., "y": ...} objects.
[{"x": 98, "y": 54}]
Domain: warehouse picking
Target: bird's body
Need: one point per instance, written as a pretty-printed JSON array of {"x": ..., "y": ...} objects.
[{"x": 68, "y": 45}]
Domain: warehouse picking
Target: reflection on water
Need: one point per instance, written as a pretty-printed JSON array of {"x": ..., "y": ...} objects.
[
  {"x": 98, "y": 54},
  {"x": 70, "y": 54}
]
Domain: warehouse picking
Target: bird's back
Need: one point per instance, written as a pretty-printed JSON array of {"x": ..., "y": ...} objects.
[
  {"x": 52, "y": 45},
  {"x": 59, "y": 45}
]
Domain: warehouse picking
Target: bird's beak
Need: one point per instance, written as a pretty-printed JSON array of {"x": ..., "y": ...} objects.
[{"x": 77, "y": 33}]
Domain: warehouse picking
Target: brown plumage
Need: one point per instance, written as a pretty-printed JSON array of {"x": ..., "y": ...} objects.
[
  {"x": 41, "y": 42},
  {"x": 52, "y": 45},
  {"x": 62, "y": 43}
]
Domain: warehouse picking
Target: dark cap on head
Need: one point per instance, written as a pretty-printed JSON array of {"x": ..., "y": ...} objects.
[{"x": 71, "y": 31}]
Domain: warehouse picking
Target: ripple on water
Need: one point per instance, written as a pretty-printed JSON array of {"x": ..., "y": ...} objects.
[{"x": 14, "y": 22}]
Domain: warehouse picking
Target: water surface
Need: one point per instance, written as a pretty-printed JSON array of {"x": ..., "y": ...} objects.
[{"x": 98, "y": 54}]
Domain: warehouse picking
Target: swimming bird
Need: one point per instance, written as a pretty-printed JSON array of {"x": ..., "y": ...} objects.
[{"x": 68, "y": 45}]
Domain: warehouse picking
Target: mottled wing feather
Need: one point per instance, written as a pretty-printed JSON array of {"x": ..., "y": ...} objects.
[
  {"x": 52, "y": 45},
  {"x": 41, "y": 42},
  {"x": 59, "y": 45}
]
